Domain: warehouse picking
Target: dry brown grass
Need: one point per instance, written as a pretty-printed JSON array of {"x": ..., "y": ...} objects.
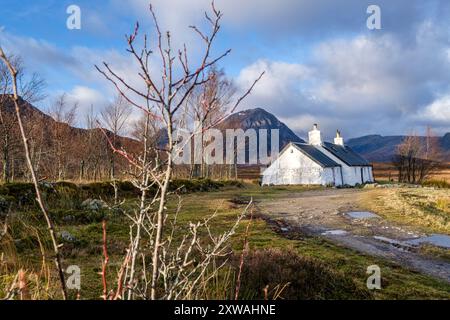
[
  {"x": 425, "y": 208},
  {"x": 386, "y": 171}
]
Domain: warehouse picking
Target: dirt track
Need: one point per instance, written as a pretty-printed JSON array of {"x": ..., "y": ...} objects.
[{"x": 323, "y": 213}]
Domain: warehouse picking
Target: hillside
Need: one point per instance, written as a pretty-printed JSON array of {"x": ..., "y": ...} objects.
[
  {"x": 59, "y": 150},
  {"x": 31, "y": 113},
  {"x": 377, "y": 148}
]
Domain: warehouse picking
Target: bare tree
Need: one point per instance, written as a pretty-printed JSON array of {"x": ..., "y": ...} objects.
[
  {"x": 94, "y": 145},
  {"x": 162, "y": 100},
  {"x": 64, "y": 116},
  {"x": 208, "y": 104},
  {"x": 417, "y": 157},
  {"x": 31, "y": 89},
  {"x": 7, "y": 125},
  {"x": 114, "y": 117},
  {"x": 15, "y": 97}
]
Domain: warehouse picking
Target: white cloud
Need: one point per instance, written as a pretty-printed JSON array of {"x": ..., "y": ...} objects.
[
  {"x": 384, "y": 81},
  {"x": 85, "y": 98},
  {"x": 438, "y": 111},
  {"x": 275, "y": 84},
  {"x": 36, "y": 51},
  {"x": 364, "y": 84},
  {"x": 301, "y": 17}
]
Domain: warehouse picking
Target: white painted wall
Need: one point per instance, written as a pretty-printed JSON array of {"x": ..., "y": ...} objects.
[
  {"x": 368, "y": 174},
  {"x": 294, "y": 167}
]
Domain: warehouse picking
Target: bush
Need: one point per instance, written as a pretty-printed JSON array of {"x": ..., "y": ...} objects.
[
  {"x": 306, "y": 278},
  {"x": 5, "y": 204},
  {"x": 106, "y": 190},
  {"x": 20, "y": 193},
  {"x": 74, "y": 217},
  {"x": 200, "y": 185},
  {"x": 70, "y": 195}
]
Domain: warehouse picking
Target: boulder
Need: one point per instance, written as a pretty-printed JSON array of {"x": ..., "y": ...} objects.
[{"x": 94, "y": 204}]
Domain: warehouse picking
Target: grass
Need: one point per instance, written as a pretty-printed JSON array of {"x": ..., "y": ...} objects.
[
  {"x": 442, "y": 184},
  {"x": 425, "y": 209},
  {"x": 309, "y": 267},
  {"x": 398, "y": 283}
]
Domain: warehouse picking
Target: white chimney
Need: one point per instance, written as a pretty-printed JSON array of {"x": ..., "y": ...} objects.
[
  {"x": 315, "y": 137},
  {"x": 339, "y": 140}
]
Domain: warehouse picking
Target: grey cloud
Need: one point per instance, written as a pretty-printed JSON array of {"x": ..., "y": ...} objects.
[{"x": 366, "y": 83}]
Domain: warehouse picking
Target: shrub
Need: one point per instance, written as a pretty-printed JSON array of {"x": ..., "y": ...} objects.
[
  {"x": 5, "y": 203},
  {"x": 306, "y": 278},
  {"x": 198, "y": 185},
  {"x": 106, "y": 189},
  {"x": 69, "y": 195},
  {"x": 74, "y": 217},
  {"x": 21, "y": 193}
]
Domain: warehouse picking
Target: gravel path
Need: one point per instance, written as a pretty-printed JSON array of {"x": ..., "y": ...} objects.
[{"x": 324, "y": 213}]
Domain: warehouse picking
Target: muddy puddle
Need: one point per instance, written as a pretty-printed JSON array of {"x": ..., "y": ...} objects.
[
  {"x": 438, "y": 240},
  {"x": 362, "y": 215},
  {"x": 334, "y": 233}
]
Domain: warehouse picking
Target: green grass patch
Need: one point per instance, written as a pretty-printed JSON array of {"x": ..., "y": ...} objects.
[{"x": 300, "y": 268}]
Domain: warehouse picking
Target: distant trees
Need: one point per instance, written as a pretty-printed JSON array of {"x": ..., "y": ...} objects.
[
  {"x": 114, "y": 117},
  {"x": 64, "y": 115},
  {"x": 58, "y": 149},
  {"x": 8, "y": 134},
  {"x": 31, "y": 89},
  {"x": 207, "y": 105},
  {"x": 417, "y": 157}
]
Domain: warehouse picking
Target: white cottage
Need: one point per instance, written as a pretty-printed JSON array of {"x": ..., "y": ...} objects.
[{"x": 318, "y": 162}]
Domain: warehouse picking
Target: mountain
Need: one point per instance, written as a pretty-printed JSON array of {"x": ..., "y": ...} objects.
[
  {"x": 445, "y": 141},
  {"x": 32, "y": 116},
  {"x": 27, "y": 110},
  {"x": 377, "y": 148},
  {"x": 59, "y": 150},
  {"x": 259, "y": 118}
]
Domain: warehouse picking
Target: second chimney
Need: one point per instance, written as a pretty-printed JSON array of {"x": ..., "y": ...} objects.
[{"x": 339, "y": 140}]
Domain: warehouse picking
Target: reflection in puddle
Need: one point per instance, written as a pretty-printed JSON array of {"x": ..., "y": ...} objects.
[
  {"x": 362, "y": 215},
  {"x": 334, "y": 233},
  {"x": 439, "y": 240}
]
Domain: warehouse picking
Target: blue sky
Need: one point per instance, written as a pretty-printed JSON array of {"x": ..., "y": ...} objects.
[{"x": 322, "y": 63}]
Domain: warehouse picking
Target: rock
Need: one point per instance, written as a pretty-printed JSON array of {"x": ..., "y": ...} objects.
[
  {"x": 94, "y": 204},
  {"x": 69, "y": 218},
  {"x": 66, "y": 236},
  {"x": 46, "y": 185}
]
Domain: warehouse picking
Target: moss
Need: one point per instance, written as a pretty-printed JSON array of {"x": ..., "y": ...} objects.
[
  {"x": 75, "y": 217},
  {"x": 22, "y": 193}
]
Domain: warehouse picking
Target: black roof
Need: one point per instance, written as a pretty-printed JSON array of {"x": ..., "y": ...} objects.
[
  {"x": 316, "y": 155},
  {"x": 345, "y": 154}
]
